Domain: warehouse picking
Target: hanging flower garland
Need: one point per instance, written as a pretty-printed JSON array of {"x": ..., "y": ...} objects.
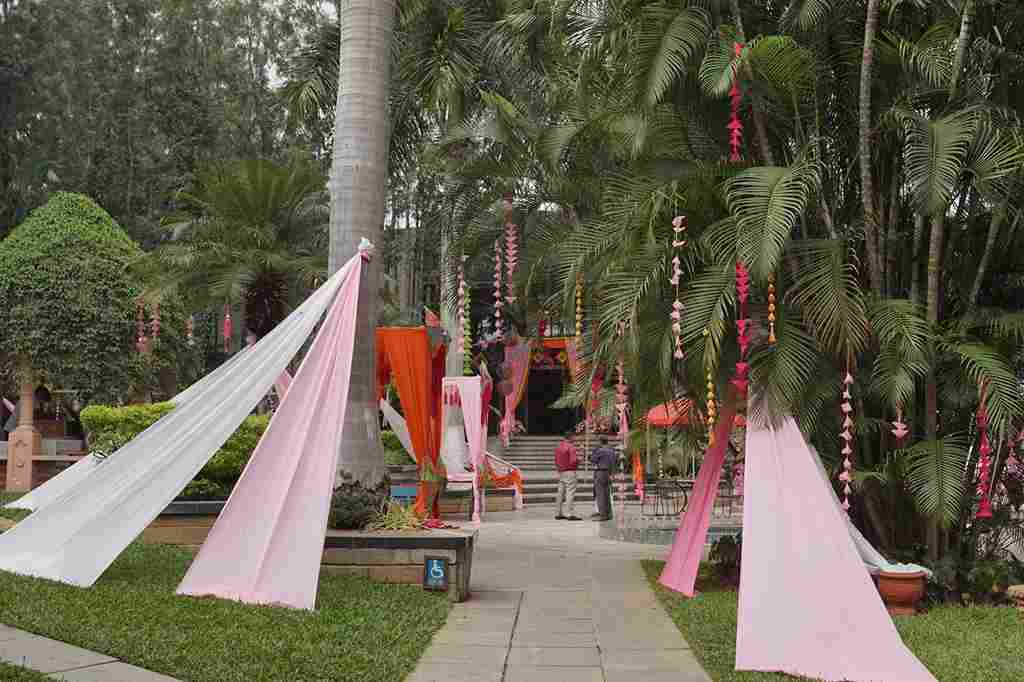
[
  {"x": 735, "y": 124},
  {"x": 498, "y": 300},
  {"x": 846, "y": 475},
  {"x": 190, "y": 327},
  {"x": 741, "y": 379},
  {"x": 140, "y": 326},
  {"x": 899, "y": 429},
  {"x": 227, "y": 331},
  {"x": 771, "y": 308},
  {"x": 464, "y": 321},
  {"x": 579, "y": 311},
  {"x": 679, "y": 225},
  {"x": 985, "y": 461},
  {"x": 712, "y": 411},
  {"x": 155, "y": 323}
]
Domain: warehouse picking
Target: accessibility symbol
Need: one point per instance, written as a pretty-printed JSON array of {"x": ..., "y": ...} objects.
[{"x": 435, "y": 573}]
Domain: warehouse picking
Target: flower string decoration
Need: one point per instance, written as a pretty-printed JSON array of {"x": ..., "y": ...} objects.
[
  {"x": 771, "y": 308},
  {"x": 155, "y": 323},
  {"x": 190, "y": 327},
  {"x": 679, "y": 225},
  {"x": 140, "y": 326},
  {"x": 511, "y": 251},
  {"x": 846, "y": 408},
  {"x": 226, "y": 330},
  {"x": 579, "y": 311},
  {"x": 464, "y": 321},
  {"x": 899, "y": 429},
  {"x": 735, "y": 124},
  {"x": 712, "y": 411},
  {"x": 498, "y": 300},
  {"x": 985, "y": 461},
  {"x": 741, "y": 379}
]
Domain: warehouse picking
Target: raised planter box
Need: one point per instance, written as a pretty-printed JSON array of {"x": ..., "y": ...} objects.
[
  {"x": 391, "y": 557},
  {"x": 399, "y": 557}
]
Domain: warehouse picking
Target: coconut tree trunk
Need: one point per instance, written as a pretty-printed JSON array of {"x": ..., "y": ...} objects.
[
  {"x": 358, "y": 180},
  {"x": 966, "y": 24},
  {"x": 996, "y": 224},
  {"x": 867, "y": 180},
  {"x": 931, "y": 396}
]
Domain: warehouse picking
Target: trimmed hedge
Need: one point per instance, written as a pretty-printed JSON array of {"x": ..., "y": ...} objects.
[{"x": 109, "y": 428}]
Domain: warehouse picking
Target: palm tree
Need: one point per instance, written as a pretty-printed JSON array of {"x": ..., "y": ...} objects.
[
  {"x": 248, "y": 233},
  {"x": 358, "y": 181}
]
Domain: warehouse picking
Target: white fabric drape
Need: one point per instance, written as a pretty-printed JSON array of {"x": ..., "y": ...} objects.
[
  {"x": 75, "y": 538},
  {"x": 59, "y": 485},
  {"x": 398, "y": 426}
]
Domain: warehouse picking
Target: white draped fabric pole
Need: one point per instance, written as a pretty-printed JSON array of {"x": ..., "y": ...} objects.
[{"x": 79, "y": 535}]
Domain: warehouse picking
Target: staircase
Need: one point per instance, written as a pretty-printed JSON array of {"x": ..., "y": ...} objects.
[{"x": 535, "y": 458}]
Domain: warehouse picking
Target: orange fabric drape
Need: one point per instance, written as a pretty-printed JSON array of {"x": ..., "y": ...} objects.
[{"x": 405, "y": 354}]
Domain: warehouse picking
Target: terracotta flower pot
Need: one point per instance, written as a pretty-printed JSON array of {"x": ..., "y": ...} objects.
[{"x": 901, "y": 591}]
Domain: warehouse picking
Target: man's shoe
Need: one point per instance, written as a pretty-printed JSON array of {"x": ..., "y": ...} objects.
[
  {"x": 559, "y": 518},
  {"x": 596, "y": 517},
  {"x": 573, "y": 518},
  {"x": 601, "y": 518}
]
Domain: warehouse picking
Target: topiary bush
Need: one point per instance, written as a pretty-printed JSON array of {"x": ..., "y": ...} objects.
[
  {"x": 68, "y": 296},
  {"x": 109, "y": 428},
  {"x": 354, "y": 507}
]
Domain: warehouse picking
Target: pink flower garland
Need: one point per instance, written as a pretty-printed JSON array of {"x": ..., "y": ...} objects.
[
  {"x": 846, "y": 475},
  {"x": 140, "y": 327},
  {"x": 985, "y": 463},
  {"x": 899, "y": 429},
  {"x": 679, "y": 225},
  {"x": 498, "y": 300},
  {"x": 227, "y": 331},
  {"x": 511, "y": 250},
  {"x": 735, "y": 124},
  {"x": 742, "y": 380}
]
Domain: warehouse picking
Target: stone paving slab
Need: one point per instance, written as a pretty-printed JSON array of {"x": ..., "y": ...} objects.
[
  {"x": 62, "y": 661},
  {"x": 574, "y": 607},
  {"x": 47, "y": 655},
  {"x": 112, "y": 672}
]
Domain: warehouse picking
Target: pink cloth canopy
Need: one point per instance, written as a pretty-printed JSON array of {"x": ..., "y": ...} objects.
[
  {"x": 518, "y": 358},
  {"x": 465, "y": 391},
  {"x": 806, "y": 605},
  {"x": 680, "y": 572},
  {"x": 267, "y": 544}
]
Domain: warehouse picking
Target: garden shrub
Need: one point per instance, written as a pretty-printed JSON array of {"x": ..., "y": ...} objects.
[
  {"x": 394, "y": 453},
  {"x": 68, "y": 295},
  {"x": 354, "y": 507},
  {"x": 109, "y": 428}
]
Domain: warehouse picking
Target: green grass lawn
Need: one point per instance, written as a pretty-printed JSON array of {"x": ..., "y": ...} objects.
[
  {"x": 361, "y": 631},
  {"x": 15, "y": 673},
  {"x": 957, "y": 644}
]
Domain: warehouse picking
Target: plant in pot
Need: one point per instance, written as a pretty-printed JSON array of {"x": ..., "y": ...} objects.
[{"x": 901, "y": 590}]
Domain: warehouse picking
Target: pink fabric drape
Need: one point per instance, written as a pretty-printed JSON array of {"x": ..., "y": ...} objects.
[
  {"x": 518, "y": 357},
  {"x": 806, "y": 605},
  {"x": 469, "y": 396},
  {"x": 282, "y": 383},
  {"x": 680, "y": 573},
  {"x": 267, "y": 544}
]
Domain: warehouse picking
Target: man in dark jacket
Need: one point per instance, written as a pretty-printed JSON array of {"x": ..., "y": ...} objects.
[{"x": 603, "y": 459}]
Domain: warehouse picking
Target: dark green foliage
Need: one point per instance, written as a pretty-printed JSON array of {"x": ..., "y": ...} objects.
[
  {"x": 68, "y": 302},
  {"x": 360, "y": 631},
  {"x": 394, "y": 453},
  {"x": 353, "y": 506},
  {"x": 109, "y": 428},
  {"x": 725, "y": 557},
  {"x": 16, "y": 673}
]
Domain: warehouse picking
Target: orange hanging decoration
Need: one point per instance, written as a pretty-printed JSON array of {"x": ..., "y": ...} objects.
[{"x": 771, "y": 308}]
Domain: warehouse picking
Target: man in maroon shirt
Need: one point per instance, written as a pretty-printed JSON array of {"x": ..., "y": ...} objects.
[{"x": 566, "y": 461}]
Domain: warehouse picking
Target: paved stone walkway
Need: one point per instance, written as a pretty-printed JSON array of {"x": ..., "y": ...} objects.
[
  {"x": 65, "y": 662},
  {"x": 554, "y": 602}
]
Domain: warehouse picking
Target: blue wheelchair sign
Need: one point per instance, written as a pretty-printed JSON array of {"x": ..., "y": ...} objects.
[{"x": 435, "y": 573}]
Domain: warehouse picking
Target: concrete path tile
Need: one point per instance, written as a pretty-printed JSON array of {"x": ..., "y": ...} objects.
[
  {"x": 111, "y": 672},
  {"x": 471, "y": 637},
  {"x": 47, "y": 655},
  {"x": 477, "y": 655},
  {"x": 654, "y": 676},
  {"x": 532, "y": 673},
  {"x": 681, "y": 660},
  {"x": 450, "y": 672},
  {"x": 554, "y": 639},
  {"x": 552, "y": 656}
]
